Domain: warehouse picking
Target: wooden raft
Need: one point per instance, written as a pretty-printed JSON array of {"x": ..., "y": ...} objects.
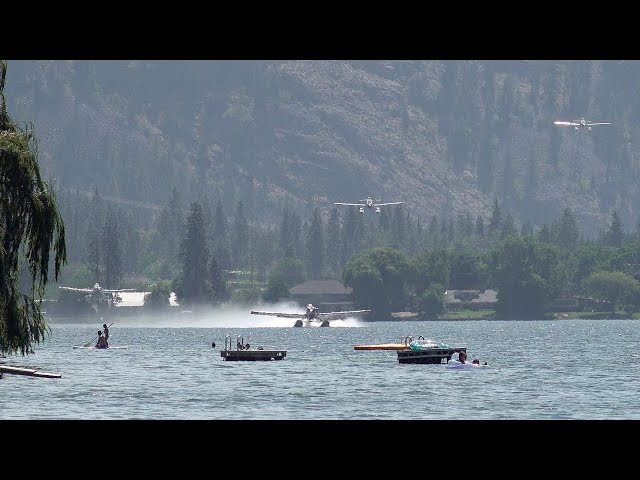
[
  {"x": 27, "y": 371},
  {"x": 382, "y": 346}
]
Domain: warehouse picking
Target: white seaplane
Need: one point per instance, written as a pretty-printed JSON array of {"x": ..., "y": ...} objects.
[
  {"x": 98, "y": 297},
  {"x": 312, "y": 314},
  {"x": 369, "y": 203},
  {"x": 582, "y": 123}
]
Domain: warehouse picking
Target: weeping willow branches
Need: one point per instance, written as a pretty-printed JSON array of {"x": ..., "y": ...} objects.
[{"x": 30, "y": 227}]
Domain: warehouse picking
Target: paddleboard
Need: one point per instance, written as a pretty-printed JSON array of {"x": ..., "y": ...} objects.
[{"x": 110, "y": 348}]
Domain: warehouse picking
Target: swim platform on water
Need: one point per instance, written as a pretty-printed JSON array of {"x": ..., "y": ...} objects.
[
  {"x": 404, "y": 344},
  {"x": 245, "y": 352},
  {"x": 429, "y": 355}
]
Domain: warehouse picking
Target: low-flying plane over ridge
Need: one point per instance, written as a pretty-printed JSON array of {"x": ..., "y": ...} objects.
[
  {"x": 582, "y": 123},
  {"x": 369, "y": 203}
]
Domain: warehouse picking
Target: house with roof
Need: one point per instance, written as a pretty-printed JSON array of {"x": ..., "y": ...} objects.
[
  {"x": 327, "y": 295},
  {"x": 470, "y": 299},
  {"x": 131, "y": 303}
]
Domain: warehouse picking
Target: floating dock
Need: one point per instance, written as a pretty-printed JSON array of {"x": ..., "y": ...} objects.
[
  {"x": 245, "y": 353},
  {"x": 382, "y": 346},
  {"x": 27, "y": 371},
  {"x": 403, "y": 345},
  {"x": 428, "y": 355}
]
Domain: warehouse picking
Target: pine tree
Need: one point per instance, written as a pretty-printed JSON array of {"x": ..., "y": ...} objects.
[
  {"x": 495, "y": 223},
  {"x": 568, "y": 232},
  {"x": 240, "y": 237},
  {"x": 615, "y": 234},
  {"x": 315, "y": 246},
  {"x": 217, "y": 283},
  {"x": 333, "y": 241},
  {"x": 191, "y": 286},
  {"x": 112, "y": 257},
  {"x": 220, "y": 246}
]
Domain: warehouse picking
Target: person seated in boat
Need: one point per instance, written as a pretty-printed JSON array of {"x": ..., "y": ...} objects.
[
  {"x": 102, "y": 343},
  {"x": 462, "y": 357},
  {"x": 105, "y": 331},
  {"x": 476, "y": 361}
]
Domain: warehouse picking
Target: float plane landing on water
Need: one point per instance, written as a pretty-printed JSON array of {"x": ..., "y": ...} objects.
[
  {"x": 312, "y": 314},
  {"x": 582, "y": 123},
  {"x": 369, "y": 203},
  {"x": 98, "y": 296}
]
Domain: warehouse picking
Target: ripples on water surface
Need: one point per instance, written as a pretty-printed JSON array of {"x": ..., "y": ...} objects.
[{"x": 569, "y": 369}]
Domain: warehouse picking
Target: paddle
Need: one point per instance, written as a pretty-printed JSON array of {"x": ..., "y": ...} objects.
[{"x": 88, "y": 344}]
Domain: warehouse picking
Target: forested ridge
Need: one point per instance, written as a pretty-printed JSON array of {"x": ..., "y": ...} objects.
[
  {"x": 171, "y": 175},
  {"x": 447, "y": 137}
]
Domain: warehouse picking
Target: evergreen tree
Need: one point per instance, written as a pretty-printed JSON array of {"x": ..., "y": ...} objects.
[
  {"x": 508, "y": 227},
  {"x": 220, "y": 246},
  {"x": 240, "y": 237},
  {"x": 333, "y": 241},
  {"x": 544, "y": 235},
  {"x": 615, "y": 235},
  {"x": 191, "y": 286},
  {"x": 94, "y": 250},
  {"x": 495, "y": 223},
  {"x": 315, "y": 246},
  {"x": 217, "y": 282},
  {"x": 112, "y": 257},
  {"x": 568, "y": 233},
  {"x": 527, "y": 228}
]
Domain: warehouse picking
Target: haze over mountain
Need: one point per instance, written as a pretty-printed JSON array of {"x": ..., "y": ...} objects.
[{"x": 447, "y": 137}]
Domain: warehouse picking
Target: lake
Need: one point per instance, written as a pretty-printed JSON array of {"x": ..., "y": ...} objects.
[{"x": 560, "y": 369}]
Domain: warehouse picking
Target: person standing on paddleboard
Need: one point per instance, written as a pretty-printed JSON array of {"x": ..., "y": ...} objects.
[
  {"x": 105, "y": 331},
  {"x": 101, "y": 340}
]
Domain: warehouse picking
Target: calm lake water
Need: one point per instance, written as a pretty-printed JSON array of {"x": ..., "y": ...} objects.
[{"x": 566, "y": 369}]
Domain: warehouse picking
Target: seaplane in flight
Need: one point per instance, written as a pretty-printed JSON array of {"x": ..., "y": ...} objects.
[
  {"x": 97, "y": 295},
  {"x": 312, "y": 314},
  {"x": 369, "y": 203},
  {"x": 582, "y": 123}
]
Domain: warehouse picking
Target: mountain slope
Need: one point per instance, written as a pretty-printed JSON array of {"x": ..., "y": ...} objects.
[{"x": 446, "y": 137}]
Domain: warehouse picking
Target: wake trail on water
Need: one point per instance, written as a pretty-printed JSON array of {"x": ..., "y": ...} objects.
[{"x": 231, "y": 316}]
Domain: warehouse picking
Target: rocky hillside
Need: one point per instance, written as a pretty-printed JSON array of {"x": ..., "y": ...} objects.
[{"x": 446, "y": 137}]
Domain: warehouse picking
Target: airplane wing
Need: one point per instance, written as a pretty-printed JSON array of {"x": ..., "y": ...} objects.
[
  {"x": 575, "y": 124},
  {"x": 278, "y": 314},
  {"x": 77, "y": 289},
  {"x": 388, "y": 203},
  {"x": 352, "y": 204},
  {"x": 598, "y": 123},
  {"x": 121, "y": 290},
  {"x": 339, "y": 315}
]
